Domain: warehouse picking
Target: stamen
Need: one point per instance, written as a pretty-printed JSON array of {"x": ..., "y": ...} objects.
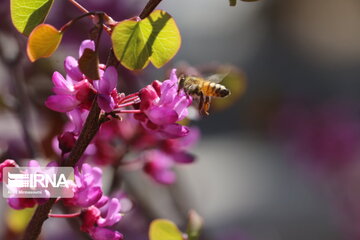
[
  {"x": 129, "y": 99},
  {"x": 127, "y": 104},
  {"x": 128, "y": 111},
  {"x": 69, "y": 215}
]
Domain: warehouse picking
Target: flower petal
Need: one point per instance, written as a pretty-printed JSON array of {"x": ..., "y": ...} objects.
[
  {"x": 113, "y": 214},
  {"x": 181, "y": 106},
  {"x": 72, "y": 69},
  {"x": 61, "y": 103},
  {"x": 6, "y": 163},
  {"x": 168, "y": 92},
  {"x": 99, "y": 233},
  {"x": 21, "y": 203},
  {"x": 61, "y": 85},
  {"x": 91, "y": 175},
  {"x": 183, "y": 157},
  {"x": 108, "y": 82},
  {"x": 165, "y": 176},
  {"x": 77, "y": 118},
  {"x": 173, "y": 76},
  {"x": 174, "y": 131},
  {"x": 106, "y": 102},
  {"x": 148, "y": 96},
  {"x": 87, "y": 197},
  {"x": 162, "y": 115},
  {"x": 86, "y": 44}
]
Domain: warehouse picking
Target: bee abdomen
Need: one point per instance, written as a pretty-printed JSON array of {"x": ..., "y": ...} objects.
[
  {"x": 221, "y": 91},
  {"x": 208, "y": 88}
]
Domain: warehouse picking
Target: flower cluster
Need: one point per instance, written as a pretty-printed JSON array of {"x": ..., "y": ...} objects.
[
  {"x": 152, "y": 130},
  {"x": 76, "y": 91},
  {"x": 21, "y": 203},
  {"x": 149, "y": 130},
  {"x": 88, "y": 195},
  {"x": 162, "y": 105},
  {"x": 158, "y": 162}
]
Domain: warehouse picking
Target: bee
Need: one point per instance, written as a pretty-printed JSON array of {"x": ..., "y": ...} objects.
[{"x": 203, "y": 89}]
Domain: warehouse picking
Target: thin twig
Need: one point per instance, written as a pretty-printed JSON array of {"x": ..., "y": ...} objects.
[
  {"x": 78, "y": 5},
  {"x": 84, "y": 10},
  {"x": 150, "y": 6}
]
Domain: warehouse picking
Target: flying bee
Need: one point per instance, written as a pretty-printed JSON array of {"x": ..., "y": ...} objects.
[{"x": 203, "y": 89}]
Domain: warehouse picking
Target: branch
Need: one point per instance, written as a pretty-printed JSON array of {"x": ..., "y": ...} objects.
[
  {"x": 90, "y": 128},
  {"x": 41, "y": 214},
  {"x": 150, "y": 6}
]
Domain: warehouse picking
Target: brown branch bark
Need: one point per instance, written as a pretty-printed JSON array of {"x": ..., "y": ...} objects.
[{"x": 90, "y": 128}]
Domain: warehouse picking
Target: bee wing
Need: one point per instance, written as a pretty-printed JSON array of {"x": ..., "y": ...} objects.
[{"x": 216, "y": 78}]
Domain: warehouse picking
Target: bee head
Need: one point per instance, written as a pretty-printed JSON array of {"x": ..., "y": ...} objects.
[
  {"x": 182, "y": 77},
  {"x": 224, "y": 92}
]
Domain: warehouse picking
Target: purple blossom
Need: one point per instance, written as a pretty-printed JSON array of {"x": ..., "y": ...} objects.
[
  {"x": 21, "y": 203},
  {"x": 99, "y": 233},
  {"x": 75, "y": 91},
  {"x": 106, "y": 87},
  {"x": 158, "y": 165},
  {"x": 94, "y": 223},
  {"x": 6, "y": 163},
  {"x": 112, "y": 214},
  {"x": 88, "y": 189},
  {"x": 159, "y": 162},
  {"x": 162, "y": 106}
]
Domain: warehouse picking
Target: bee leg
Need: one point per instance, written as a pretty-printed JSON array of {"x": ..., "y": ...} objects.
[
  {"x": 181, "y": 83},
  {"x": 201, "y": 102},
  {"x": 207, "y": 105}
]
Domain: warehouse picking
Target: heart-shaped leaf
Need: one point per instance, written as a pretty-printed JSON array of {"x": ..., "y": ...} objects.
[
  {"x": 27, "y": 14},
  {"x": 162, "y": 229},
  {"x": 154, "y": 39},
  {"x": 43, "y": 42}
]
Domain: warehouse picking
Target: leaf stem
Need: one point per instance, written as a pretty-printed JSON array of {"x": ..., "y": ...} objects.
[
  {"x": 84, "y": 10},
  {"x": 71, "y": 22},
  {"x": 79, "y": 6}
]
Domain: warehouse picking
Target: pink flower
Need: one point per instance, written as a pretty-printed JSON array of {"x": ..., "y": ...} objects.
[
  {"x": 94, "y": 224},
  {"x": 76, "y": 91},
  {"x": 99, "y": 233},
  {"x": 21, "y": 203},
  {"x": 88, "y": 189},
  {"x": 106, "y": 88},
  {"x": 162, "y": 106},
  {"x": 158, "y": 165},
  {"x": 6, "y": 163},
  {"x": 159, "y": 162}
]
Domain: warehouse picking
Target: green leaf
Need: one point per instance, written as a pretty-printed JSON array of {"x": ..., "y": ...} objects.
[
  {"x": 43, "y": 42},
  {"x": 27, "y": 14},
  {"x": 162, "y": 229},
  {"x": 154, "y": 39}
]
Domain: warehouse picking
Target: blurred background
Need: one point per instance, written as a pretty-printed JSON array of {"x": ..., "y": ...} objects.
[{"x": 277, "y": 160}]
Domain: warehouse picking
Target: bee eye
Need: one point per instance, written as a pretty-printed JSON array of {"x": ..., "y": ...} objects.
[{"x": 224, "y": 92}]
